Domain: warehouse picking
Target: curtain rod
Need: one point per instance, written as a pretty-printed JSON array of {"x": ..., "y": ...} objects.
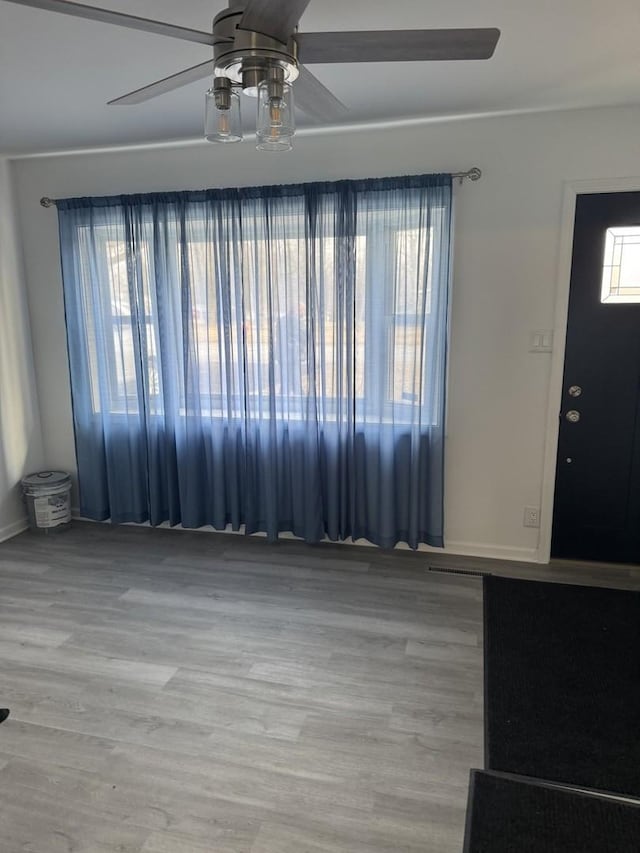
[{"x": 472, "y": 174}]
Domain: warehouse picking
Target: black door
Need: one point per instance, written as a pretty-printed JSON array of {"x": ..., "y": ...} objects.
[{"x": 597, "y": 498}]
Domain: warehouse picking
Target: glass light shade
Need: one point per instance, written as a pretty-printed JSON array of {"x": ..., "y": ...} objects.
[
  {"x": 222, "y": 125},
  {"x": 276, "y": 125},
  {"x": 281, "y": 143}
]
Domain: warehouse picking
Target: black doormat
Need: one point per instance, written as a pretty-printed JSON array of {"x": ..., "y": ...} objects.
[
  {"x": 511, "y": 815},
  {"x": 562, "y": 683}
]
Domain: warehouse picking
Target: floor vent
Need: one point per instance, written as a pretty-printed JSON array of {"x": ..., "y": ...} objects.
[{"x": 466, "y": 572}]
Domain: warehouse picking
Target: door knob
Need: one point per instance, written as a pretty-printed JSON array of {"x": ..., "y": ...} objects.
[{"x": 572, "y": 416}]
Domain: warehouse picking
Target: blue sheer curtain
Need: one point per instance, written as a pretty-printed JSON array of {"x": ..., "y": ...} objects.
[{"x": 272, "y": 357}]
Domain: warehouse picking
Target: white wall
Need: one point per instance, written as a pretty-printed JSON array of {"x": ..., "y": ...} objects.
[
  {"x": 507, "y": 237},
  {"x": 20, "y": 438}
]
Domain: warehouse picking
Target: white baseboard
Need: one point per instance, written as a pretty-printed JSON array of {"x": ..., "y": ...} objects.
[
  {"x": 493, "y": 552},
  {"x": 458, "y": 549},
  {"x": 11, "y": 530}
]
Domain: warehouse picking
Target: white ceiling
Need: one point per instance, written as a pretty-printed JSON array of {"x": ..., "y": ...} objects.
[{"x": 57, "y": 72}]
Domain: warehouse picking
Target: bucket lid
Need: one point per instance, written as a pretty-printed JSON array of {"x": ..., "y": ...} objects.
[{"x": 46, "y": 478}]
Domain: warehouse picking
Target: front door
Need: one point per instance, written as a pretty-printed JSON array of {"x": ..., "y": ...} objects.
[{"x": 597, "y": 497}]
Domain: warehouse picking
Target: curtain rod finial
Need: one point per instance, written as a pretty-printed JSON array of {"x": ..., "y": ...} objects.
[
  {"x": 473, "y": 174},
  {"x": 47, "y": 202}
]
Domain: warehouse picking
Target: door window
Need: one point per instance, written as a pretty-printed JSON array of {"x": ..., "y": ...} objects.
[{"x": 621, "y": 267}]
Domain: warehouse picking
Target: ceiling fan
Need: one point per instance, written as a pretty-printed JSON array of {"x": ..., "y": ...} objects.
[{"x": 257, "y": 49}]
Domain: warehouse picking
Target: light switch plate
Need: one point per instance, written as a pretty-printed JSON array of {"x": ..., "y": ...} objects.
[{"x": 541, "y": 340}]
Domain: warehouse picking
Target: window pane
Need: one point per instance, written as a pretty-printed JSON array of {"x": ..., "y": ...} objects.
[
  {"x": 405, "y": 368},
  {"x": 413, "y": 272},
  {"x": 124, "y": 363},
  {"x": 621, "y": 266}
]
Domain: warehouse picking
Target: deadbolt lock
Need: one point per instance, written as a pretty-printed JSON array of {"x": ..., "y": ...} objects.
[
  {"x": 572, "y": 416},
  {"x": 575, "y": 391}
]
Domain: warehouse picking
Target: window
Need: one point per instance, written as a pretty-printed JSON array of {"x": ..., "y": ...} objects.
[
  {"x": 621, "y": 265},
  {"x": 284, "y": 326}
]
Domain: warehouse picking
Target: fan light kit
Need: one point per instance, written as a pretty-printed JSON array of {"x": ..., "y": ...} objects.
[{"x": 258, "y": 51}]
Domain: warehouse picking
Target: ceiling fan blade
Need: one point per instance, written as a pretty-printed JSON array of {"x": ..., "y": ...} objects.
[
  {"x": 397, "y": 45},
  {"x": 275, "y": 18},
  {"x": 106, "y": 16},
  {"x": 315, "y": 99},
  {"x": 167, "y": 84}
]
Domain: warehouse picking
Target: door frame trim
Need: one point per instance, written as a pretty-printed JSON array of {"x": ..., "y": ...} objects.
[{"x": 554, "y": 402}]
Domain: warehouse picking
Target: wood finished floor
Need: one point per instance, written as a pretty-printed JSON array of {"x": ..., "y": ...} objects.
[{"x": 176, "y": 692}]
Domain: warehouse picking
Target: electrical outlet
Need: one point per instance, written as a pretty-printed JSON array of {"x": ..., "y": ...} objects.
[{"x": 531, "y": 516}]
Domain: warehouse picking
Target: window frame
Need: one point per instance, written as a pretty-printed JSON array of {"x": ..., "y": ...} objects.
[{"x": 379, "y": 325}]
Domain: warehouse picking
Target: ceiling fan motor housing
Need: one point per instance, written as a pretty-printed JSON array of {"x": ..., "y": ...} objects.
[{"x": 245, "y": 57}]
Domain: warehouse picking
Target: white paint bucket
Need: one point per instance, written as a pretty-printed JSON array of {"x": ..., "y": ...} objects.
[{"x": 47, "y": 495}]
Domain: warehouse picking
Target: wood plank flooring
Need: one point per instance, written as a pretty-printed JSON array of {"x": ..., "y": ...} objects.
[{"x": 176, "y": 692}]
